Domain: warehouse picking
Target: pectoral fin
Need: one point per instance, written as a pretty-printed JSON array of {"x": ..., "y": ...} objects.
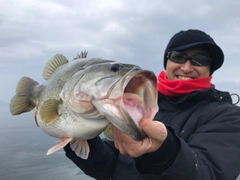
[
  {"x": 49, "y": 111},
  {"x": 108, "y": 133}
]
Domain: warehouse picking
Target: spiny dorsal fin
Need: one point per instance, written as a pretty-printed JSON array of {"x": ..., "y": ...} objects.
[
  {"x": 53, "y": 64},
  {"x": 49, "y": 111},
  {"x": 82, "y": 55},
  {"x": 22, "y": 101}
]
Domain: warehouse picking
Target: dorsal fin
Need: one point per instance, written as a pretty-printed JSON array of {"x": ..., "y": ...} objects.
[
  {"x": 83, "y": 54},
  {"x": 55, "y": 62}
]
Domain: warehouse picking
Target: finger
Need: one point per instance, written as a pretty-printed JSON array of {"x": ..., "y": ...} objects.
[
  {"x": 154, "y": 129},
  {"x": 119, "y": 141},
  {"x": 117, "y": 137},
  {"x": 122, "y": 138}
]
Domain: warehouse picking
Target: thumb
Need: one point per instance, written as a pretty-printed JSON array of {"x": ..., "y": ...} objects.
[{"x": 154, "y": 129}]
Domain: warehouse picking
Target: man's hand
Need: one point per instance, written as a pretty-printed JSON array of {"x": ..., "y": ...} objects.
[{"x": 156, "y": 134}]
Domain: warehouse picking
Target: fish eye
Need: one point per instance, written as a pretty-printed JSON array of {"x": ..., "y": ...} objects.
[{"x": 115, "y": 67}]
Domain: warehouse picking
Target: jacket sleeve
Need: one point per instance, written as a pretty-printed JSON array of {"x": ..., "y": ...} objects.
[
  {"x": 210, "y": 153},
  {"x": 101, "y": 161}
]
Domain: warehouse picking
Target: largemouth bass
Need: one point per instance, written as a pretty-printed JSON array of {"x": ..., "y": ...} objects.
[{"x": 80, "y": 98}]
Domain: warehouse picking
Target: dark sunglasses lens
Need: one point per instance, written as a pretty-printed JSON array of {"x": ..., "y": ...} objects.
[
  {"x": 177, "y": 57},
  {"x": 200, "y": 60}
]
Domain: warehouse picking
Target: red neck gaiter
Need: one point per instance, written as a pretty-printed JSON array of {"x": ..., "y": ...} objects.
[{"x": 181, "y": 87}]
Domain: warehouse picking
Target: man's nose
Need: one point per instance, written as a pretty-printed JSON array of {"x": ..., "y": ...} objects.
[{"x": 187, "y": 67}]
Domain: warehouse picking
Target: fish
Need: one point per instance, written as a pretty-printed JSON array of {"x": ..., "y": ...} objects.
[{"x": 82, "y": 98}]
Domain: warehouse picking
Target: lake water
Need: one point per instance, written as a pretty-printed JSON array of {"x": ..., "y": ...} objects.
[{"x": 23, "y": 152}]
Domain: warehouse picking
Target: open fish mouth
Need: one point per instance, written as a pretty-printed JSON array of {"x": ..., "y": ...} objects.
[
  {"x": 136, "y": 100},
  {"x": 140, "y": 96}
]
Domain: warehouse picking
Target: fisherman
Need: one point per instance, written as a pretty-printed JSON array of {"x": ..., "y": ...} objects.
[{"x": 195, "y": 135}]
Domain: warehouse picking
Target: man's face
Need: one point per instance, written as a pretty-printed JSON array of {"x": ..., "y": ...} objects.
[{"x": 185, "y": 71}]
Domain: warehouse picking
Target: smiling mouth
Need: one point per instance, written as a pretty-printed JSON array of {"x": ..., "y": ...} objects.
[{"x": 184, "y": 77}]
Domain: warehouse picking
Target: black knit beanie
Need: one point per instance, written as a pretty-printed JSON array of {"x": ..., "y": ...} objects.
[{"x": 196, "y": 38}]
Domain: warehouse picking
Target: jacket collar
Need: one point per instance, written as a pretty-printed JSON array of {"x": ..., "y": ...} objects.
[{"x": 209, "y": 93}]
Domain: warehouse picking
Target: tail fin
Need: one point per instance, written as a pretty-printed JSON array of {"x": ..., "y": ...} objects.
[{"x": 22, "y": 102}]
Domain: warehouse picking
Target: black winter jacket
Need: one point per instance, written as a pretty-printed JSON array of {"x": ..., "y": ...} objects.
[{"x": 203, "y": 143}]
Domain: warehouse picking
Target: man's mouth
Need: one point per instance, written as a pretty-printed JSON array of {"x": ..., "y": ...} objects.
[{"x": 184, "y": 77}]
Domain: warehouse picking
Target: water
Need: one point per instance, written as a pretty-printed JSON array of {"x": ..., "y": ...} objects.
[{"x": 23, "y": 152}]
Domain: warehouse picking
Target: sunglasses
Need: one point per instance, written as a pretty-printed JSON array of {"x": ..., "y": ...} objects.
[{"x": 195, "y": 60}]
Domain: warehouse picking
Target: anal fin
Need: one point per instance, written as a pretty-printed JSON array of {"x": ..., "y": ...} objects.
[{"x": 80, "y": 147}]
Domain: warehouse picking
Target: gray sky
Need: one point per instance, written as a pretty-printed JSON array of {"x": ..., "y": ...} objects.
[{"x": 132, "y": 31}]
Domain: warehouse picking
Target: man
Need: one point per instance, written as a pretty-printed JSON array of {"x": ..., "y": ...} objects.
[{"x": 194, "y": 136}]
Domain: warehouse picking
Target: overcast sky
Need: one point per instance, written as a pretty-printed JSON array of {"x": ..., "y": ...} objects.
[{"x": 133, "y": 31}]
